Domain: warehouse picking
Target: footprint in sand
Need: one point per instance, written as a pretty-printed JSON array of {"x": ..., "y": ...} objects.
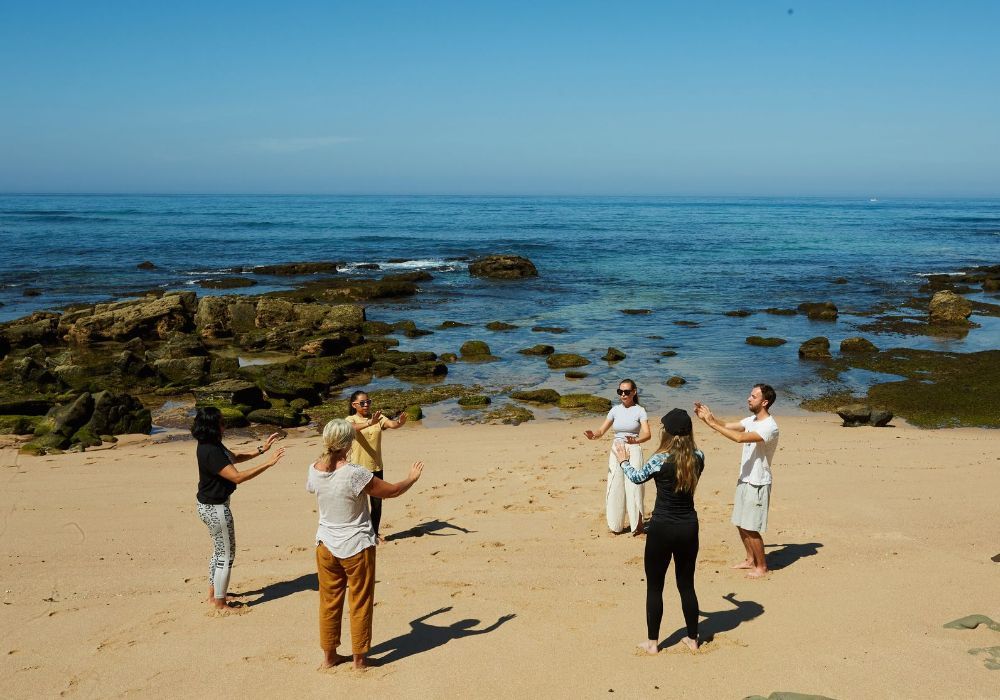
[{"x": 992, "y": 654}]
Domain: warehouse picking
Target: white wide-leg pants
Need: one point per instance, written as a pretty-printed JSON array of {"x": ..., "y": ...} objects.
[{"x": 624, "y": 497}]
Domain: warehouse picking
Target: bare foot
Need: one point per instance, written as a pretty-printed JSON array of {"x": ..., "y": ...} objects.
[
  {"x": 691, "y": 644},
  {"x": 332, "y": 659},
  {"x": 640, "y": 529},
  {"x": 379, "y": 539},
  {"x": 745, "y": 564},
  {"x": 757, "y": 573},
  {"x": 361, "y": 662},
  {"x": 649, "y": 646}
]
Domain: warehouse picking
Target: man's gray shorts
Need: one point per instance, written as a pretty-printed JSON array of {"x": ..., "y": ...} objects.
[{"x": 750, "y": 506}]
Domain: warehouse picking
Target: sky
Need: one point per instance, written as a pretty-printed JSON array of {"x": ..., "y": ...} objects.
[{"x": 749, "y": 97}]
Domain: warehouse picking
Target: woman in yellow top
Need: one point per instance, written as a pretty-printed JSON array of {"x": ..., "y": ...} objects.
[{"x": 366, "y": 451}]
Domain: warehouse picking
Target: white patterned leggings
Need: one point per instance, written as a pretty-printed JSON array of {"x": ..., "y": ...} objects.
[{"x": 221, "y": 527}]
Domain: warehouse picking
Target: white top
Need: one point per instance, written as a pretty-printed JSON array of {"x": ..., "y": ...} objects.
[
  {"x": 755, "y": 467},
  {"x": 345, "y": 526},
  {"x": 626, "y": 420}
]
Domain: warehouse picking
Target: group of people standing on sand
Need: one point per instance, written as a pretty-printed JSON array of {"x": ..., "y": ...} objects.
[
  {"x": 347, "y": 481},
  {"x": 675, "y": 468}
]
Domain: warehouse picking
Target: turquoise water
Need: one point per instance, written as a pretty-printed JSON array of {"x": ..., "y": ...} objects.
[{"x": 685, "y": 259}]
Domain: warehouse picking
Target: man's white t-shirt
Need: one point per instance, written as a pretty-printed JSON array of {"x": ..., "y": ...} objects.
[
  {"x": 626, "y": 420},
  {"x": 756, "y": 465}
]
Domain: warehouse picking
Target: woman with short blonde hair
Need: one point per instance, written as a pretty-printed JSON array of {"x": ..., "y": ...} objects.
[{"x": 345, "y": 540}]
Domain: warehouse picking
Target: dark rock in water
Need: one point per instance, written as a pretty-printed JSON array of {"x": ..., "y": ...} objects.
[
  {"x": 739, "y": 313},
  {"x": 676, "y": 381},
  {"x": 668, "y": 353},
  {"x": 576, "y": 374},
  {"x": 503, "y": 267},
  {"x": 857, "y": 344},
  {"x": 448, "y": 357},
  {"x": 819, "y": 311},
  {"x": 283, "y": 417},
  {"x": 415, "y": 276},
  {"x": 543, "y": 396},
  {"x": 230, "y": 391},
  {"x": 538, "y": 350},
  {"x": 854, "y": 414},
  {"x": 687, "y": 324},
  {"x": 32, "y": 292},
  {"x": 765, "y": 342},
  {"x": 566, "y": 359},
  {"x": 145, "y": 265},
  {"x": 949, "y": 309},
  {"x": 299, "y": 268},
  {"x": 840, "y": 280},
  {"x": 585, "y": 402},
  {"x": 780, "y": 312},
  {"x": 475, "y": 351},
  {"x": 368, "y": 266},
  {"x": 377, "y": 328},
  {"x": 474, "y": 401},
  {"x": 613, "y": 355},
  {"x": 548, "y": 329},
  {"x": 452, "y": 324},
  {"x": 499, "y": 326},
  {"x": 815, "y": 349},
  {"x": 226, "y": 283},
  {"x": 637, "y": 312},
  {"x": 422, "y": 370},
  {"x": 991, "y": 285}
]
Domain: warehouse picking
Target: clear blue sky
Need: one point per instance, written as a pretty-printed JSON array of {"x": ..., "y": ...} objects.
[{"x": 720, "y": 98}]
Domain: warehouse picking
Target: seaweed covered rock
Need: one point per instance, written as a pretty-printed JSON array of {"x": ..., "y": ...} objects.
[
  {"x": 676, "y": 381},
  {"x": 231, "y": 392},
  {"x": 762, "y": 342},
  {"x": 819, "y": 311},
  {"x": 585, "y": 402},
  {"x": 147, "y": 318},
  {"x": 433, "y": 369},
  {"x": 563, "y": 360},
  {"x": 543, "y": 396},
  {"x": 500, "y": 326},
  {"x": 299, "y": 268},
  {"x": 117, "y": 414},
  {"x": 503, "y": 267},
  {"x": 815, "y": 349},
  {"x": 862, "y": 414},
  {"x": 506, "y": 415},
  {"x": 548, "y": 329},
  {"x": 949, "y": 309},
  {"x": 474, "y": 401},
  {"x": 613, "y": 355},
  {"x": 40, "y": 328},
  {"x": 475, "y": 351},
  {"x": 281, "y": 416},
  {"x": 18, "y": 424},
  {"x": 857, "y": 344},
  {"x": 445, "y": 325},
  {"x": 538, "y": 350},
  {"x": 226, "y": 283}
]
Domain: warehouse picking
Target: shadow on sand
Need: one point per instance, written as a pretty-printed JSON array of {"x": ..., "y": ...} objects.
[
  {"x": 789, "y": 554},
  {"x": 432, "y": 527},
  {"x": 274, "y": 591},
  {"x": 717, "y": 622},
  {"x": 424, "y": 637}
]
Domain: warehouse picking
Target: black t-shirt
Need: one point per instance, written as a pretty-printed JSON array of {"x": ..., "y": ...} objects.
[
  {"x": 673, "y": 506},
  {"x": 213, "y": 489}
]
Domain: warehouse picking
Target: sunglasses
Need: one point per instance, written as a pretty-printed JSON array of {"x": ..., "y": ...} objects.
[
  {"x": 624, "y": 392},
  {"x": 363, "y": 403}
]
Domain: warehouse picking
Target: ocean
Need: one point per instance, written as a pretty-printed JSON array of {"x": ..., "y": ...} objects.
[{"x": 687, "y": 260}]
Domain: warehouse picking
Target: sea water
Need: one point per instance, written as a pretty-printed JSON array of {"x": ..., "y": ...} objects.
[{"x": 686, "y": 260}]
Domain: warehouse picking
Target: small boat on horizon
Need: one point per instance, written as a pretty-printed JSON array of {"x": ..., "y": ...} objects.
[{"x": 873, "y": 199}]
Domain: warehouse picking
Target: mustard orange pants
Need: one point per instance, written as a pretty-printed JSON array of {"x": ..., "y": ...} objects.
[{"x": 356, "y": 576}]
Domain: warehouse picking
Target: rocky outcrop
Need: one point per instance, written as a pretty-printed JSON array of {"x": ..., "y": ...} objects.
[
  {"x": 153, "y": 319},
  {"x": 87, "y": 420},
  {"x": 949, "y": 309},
  {"x": 40, "y": 328},
  {"x": 585, "y": 402},
  {"x": 861, "y": 414},
  {"x": 299, "y": 268},
  {"x": 542, "y": 396},
  {"x": 815, "y": 349},
  {"x": 503, "y": 267},
  {"x": 475, "y": 351},
  {"x": 613, "y": 355},
  {"x": 857, "y": 344},
  {"x": 762, "y": 342}
]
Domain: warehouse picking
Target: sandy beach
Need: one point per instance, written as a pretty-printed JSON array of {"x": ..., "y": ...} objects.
[{"x": 499, "y": 577}]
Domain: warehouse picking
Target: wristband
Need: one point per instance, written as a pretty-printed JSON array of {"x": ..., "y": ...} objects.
[{"x": 260, "y": 449}]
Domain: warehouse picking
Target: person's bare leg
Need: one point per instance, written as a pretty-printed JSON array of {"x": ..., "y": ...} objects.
[
  {"x": 748, "y": 562},
  {"x": 640, "y": 528},
  {"x": 650, "y": 646},
  {"x": 691, "y": 644},
  {"x": 362, "y": 661},
  {"x": 755, "y": 545}
]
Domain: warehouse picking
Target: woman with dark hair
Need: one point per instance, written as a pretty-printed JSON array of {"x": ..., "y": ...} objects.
[
  {"x": 631, "y": 426},
  {"x": 672, "y": 531},
  {"x": 367, "y": 448},
  {"x": 217, "y": 479}
]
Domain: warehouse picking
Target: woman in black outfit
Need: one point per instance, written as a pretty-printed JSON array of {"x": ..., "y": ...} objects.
[
  {"x": 673, "y": 528},
  {"x": 217, "y": 479}
]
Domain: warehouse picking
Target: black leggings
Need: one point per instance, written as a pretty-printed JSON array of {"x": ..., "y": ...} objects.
[
  {"x": 375, "y": 506},
  {"x": 663, "y": 541}
]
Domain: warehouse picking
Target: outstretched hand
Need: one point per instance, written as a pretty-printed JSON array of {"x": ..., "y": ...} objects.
[
  {"x": 416, "y": 470},
  {"x": 591, "y": 435},
  {"x": 279, "y": 453},
  {"x": 376, "y": 416},
  {"x": 270, "y": 440},
  {"x": 703, "y": 412}
]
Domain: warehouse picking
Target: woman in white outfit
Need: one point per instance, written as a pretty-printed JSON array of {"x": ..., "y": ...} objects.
[{"x": 631, "y": 426}]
